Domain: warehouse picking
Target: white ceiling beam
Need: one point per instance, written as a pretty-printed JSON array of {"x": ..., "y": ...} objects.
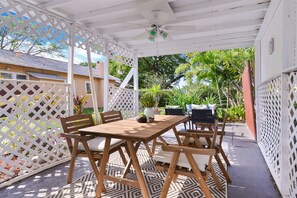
[
  {"x": 208, "y": 43},
  {"x": 217, "y": 37},
  {"x": 198, "y": 8},
  {"x": 122, "y": 19},
  {"x": 54, "y": 3},
  {"x": 268, "y": 18},
  {"x": 215, "y": 5},
  {"x": 212, "y": 29},
  {"x": 198, "y": 49},
  {"x": 109, "y": 10},
  {"x": 196, "y": 17}
]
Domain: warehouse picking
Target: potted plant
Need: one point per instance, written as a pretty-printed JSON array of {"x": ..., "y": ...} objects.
[
  {"x": 156, "y": 92},
  {"x": 141, "y": 118},
  {"x": 147, "y": 101},
  {"x": 79, "y": 103}
]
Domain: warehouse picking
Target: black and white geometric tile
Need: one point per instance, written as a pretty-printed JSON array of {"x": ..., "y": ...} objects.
[{"x": 183, "y": 187}]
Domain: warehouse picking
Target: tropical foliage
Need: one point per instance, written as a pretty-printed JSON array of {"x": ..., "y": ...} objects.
[
  {"x": 160, "y": 70},
  {"x": 147, "y": 100},
  {"x": 220, "y": 70},
  {"x": 80, "y": 103}
]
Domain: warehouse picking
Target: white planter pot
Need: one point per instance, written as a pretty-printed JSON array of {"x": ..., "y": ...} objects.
[{"x": 149, "y": 112}]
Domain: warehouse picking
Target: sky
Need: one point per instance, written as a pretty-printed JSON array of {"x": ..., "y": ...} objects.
[{"x": 80, "y": 56}]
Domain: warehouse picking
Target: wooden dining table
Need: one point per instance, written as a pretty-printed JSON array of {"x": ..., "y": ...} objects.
[{"x": 134, "y": 133}]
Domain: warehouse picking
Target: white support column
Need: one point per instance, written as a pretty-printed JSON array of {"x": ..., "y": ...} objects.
[
  {"x": 70, "y": 68},
  {"x": 106, "y": 79},
  {"x": 135, "y": 81},
  {"x": 94, "y": 94},
  {"x": 284, "y": 138},
  {"x": 289, "y": 38}
]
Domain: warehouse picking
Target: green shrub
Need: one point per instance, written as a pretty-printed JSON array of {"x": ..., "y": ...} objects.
[{"x": 234, "y": 114}]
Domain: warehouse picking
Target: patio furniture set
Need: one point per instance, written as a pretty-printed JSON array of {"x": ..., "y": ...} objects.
[{"x": 192, "y": 156}]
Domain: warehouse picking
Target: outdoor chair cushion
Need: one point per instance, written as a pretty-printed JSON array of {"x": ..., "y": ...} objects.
[
  {"x": 195, "y": 106},
  {"x": 202, "y": 140},
  {"x": 172, "y": 107},
  {"x": 98, "y": 143},
  {"x": 165, "y": 157}
]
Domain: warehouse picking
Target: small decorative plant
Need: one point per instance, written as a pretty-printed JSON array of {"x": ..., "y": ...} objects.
[
  {"x": 80, "y": 103},
  {"x": 147, "y": 100},
  {"x": 141, "y": 118}
]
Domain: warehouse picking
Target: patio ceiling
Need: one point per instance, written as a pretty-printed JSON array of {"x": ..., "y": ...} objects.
[{"x": 192, "y": 25}]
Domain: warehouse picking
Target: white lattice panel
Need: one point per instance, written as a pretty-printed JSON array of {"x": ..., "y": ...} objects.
[
  {"x": 24, "y": 20},
  {"x": 292, "y": 127},
  {"x": 121, "y": 54},
  {"x": 123, "y": 100},
  {"x": 30, "y": 126},
  {"x": 269, "y": 122},
  {"x": 82, "y": 37}
]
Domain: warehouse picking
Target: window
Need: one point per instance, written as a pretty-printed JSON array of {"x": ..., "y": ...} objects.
[
  {"x": 6, "y": 75},
  {"x": 11, "y": 75},
  {"x": 21, "y": 77},
  {"x": 88, "y": 88}
]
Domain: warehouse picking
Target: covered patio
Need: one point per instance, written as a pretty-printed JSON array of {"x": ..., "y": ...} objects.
[{"x": 123, "y": 31}]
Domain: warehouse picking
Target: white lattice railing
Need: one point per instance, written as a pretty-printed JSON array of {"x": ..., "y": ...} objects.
[
  {"x": 292, "y": 131},
  {"x": 269, "y": 124},
  {"x": 123, "y": 100},
  {"x": 21, "y": 19},
  {"x": 277, "y": 140},
  {"x": 30, "y": 127}
]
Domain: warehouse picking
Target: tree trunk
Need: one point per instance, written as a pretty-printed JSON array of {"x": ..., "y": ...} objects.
[{"x": 219, "y": 94}]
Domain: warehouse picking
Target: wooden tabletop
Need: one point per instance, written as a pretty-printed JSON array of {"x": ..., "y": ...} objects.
[{"x": 130, "y": 129}]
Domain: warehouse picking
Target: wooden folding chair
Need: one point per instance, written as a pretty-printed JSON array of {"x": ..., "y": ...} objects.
[
  {"x": 188, "y": 161},
  {"x": 85, "y": 146},
  {"x": 219, "y": 141},
  {"x": 112, "y": 116},
  {"x": 205, "y": 141}
]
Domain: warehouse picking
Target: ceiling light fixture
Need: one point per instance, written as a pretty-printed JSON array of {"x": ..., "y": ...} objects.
[{"x": 153, "y": 32}]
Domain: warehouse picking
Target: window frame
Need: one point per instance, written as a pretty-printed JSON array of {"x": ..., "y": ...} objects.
[
  {"x": 86, "y": 88},
  {"x": 14, "y": 75}
]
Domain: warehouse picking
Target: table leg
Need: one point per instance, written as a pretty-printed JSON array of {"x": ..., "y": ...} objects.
[
  {"x": 127, "y": 168},
  {"x": 170, "y": 174},
  {"x": 177, "y": 136},
  {"x": 103, "y": 164},
  {"x": 140, "y": 178},
  {"x": 148, "y": 149}
]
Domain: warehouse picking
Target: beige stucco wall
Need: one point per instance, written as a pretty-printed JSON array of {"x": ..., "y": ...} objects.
[{"x": 79, "y": 81}]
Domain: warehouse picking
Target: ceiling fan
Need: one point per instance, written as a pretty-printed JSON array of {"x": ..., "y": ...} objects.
[{"x": 159, "y": 13}]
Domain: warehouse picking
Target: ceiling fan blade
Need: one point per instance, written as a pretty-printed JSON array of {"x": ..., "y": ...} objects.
[
  {"x": 141, "y": 36},
  {"x": 180, "y": 28},
  {"x": 136, "y": 25}
]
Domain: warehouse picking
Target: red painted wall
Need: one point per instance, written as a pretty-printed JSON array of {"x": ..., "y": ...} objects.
[{"x": 249, "y": 100}]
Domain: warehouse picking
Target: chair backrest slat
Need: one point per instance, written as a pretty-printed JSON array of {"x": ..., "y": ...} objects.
[
  {"x": 73, "y": 123},
  {"x": 111, "y": 116},
  {"x": 203, "y": 116}
]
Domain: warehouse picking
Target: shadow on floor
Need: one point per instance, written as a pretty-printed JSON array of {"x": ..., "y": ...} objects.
[{"x": 249, "y": 172}]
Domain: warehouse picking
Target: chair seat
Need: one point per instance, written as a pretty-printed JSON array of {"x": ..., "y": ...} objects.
[
  {"x": 202, "y": 140},
  {"x": 98, "y": 143},
  {"x": 165, "y": 157},
  {"x": 182, "y": 130}
]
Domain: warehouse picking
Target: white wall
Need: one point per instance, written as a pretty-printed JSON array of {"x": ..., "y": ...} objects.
[{"x": 271, "y": 64}]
